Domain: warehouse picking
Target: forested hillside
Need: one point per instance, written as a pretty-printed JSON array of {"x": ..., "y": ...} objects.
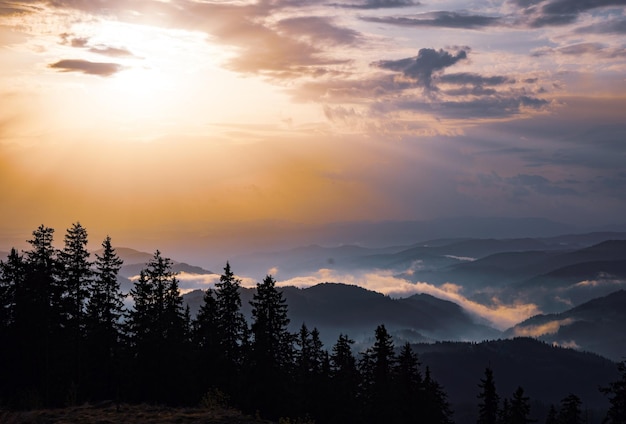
[{"x": 68, "y": 338}]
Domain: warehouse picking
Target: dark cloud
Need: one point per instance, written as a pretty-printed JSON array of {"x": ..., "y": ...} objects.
[
  {"x": 318, "y": 29},
  {"x": 87, "y": 67},
  {"x": 483, "y": 107},
  {"x": 538, "y": 13},
  {"x": 609, "y": 26},
  {"x": 379, "y": 4},
  {"x": 422, "y": 67},
  {"x": 438, "y": 19},
  {"x": 474, "y": 79}
]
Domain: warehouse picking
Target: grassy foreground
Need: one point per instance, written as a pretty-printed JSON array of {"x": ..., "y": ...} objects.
[{"x": 130, "y": 414}]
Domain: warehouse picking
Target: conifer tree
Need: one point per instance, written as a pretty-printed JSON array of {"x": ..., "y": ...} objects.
[
  {"x": 489, "y": 400},
  {"x": 409, "y": 385},
  {"x": 519, "y": 412},
  {"x": 38, "y": 321},
  {"x": 344, "y": 377},
  {"x": 570, "y": 412},
  {"x": 231, "y": 324},
  {"x": 272, "y": 347},
  {"x": 157, "y": 329},
  {"x": 376, "y": 366},
  {"x": 11, "y": 278},
  {"x": 616, "y": 391},
  {"x": 436, "y": 407},
  {"x": 75, "y": 273},
  {"x": 75, "y": 278},
  {"x": 103, "y": 323}
]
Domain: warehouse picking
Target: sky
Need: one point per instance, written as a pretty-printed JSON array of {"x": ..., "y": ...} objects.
[{"x": 149, "y": 119}]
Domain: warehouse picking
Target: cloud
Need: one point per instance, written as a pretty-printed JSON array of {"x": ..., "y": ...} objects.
[
  {"x": 608, "y": 26},
  {"x": 437, "y": 19},
  {"x": 540, "y": 185},
  {"x": 379, "y": 4},
  {"x": 596, "y": 49},
  {"x": 551, "y": 327},
  {"x": 424, "y": 65},
  {"x": 537, "y": 13},
  {"x": 474, "y": 79},
  {"x": 87, "y": 67},
  {"x": 111, "y": 51},
  {"x": 500, "y": 315},
  {"x": 319, "y": 30}
]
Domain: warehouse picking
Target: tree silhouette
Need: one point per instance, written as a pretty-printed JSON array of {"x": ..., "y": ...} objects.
[
  {"x": 272, "y": 346},
  {"x": 616, "y": 391},
  {"x": 409, "y": 383},
  {"x": 489, "y": 400},
  {"x": 519, "y": 412},
  {"x": 75, "y": 277},
  {"x": 436, "y": 407},
  {"x": 103, "y": 323},
  {"x": 157, "y": 329},
  {"x": 344, "y": 377},
  {"x": 570, "y": 412},
  {"x": 231, "y": 325},
  {"x": 376, "y": 367}
]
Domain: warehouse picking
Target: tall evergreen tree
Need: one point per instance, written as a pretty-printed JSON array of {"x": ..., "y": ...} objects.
[
  {"x": 157, "y": 330},
  {"x": 272, "y": 347},
  {"x": 75, "y": 275},
  {"x": 38, "y": 322},
  {"x": 570, "y": 412},
  {"x": 11, "y": 279},
  {"x": 519, "y": 412},
  {"x": 489, "y": 400},
  {"x": 376, "y": 366},
  {"x": 344, "y": 377},
  {"x": 436, "y": 407},
  {"x": 231, "y": 324},
  {"x": 409, "y": 385},
  {"x": 103, "y": 322},
  {"x": 616, "y": 391}
]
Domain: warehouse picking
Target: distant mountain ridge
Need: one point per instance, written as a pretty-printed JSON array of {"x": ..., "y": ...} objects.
[
  {"x": 596, "y": 326},
  {"x": 545, "y": 372},
  {"x": 336, "y": 309}
]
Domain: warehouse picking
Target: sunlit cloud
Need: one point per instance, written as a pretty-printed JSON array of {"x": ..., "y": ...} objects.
[
  {"x": 500, "y": 315},
  {"x": 551, "y": 327}
]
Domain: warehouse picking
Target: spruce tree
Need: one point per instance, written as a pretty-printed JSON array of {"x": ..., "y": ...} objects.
[
  {"x": 409, "y": 385},
  {"x": 616, "y": 391},
  {"x": 344, "y": 378},
  {"x": 11, "y": 279},
  {"x": 519, "y": 412},
  {"x": 271, "y": 349},
  {"x": 231, "y": 324},
  {"x": 38, "y": 321},
  {"x": 436, "y": 407},
  {"x": 570, "y": 412},
  {"x": 488, "y": 407},
  {"x": 103, "y": 323},
  {"x": 376, "y": 366},
  {"x": 75, "y": 278},
  {"x": 157, "y": 330}
]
